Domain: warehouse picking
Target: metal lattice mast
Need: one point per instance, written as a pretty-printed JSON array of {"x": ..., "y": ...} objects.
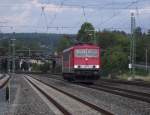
[{"x": 133, "y": 43}]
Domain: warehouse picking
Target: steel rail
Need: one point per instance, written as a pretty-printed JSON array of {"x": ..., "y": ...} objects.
[
  {"x": 145, "y": 97},
  {"x": 4, "y": 83},
  {"x": 61, "y": 108},
  {"x": 136, "y": 83},
  {"x": 118, "y": 91},
  {"x": 104, "y": 112}
]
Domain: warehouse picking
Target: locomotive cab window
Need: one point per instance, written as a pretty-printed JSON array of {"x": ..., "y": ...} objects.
[
  {"x": 92, "y": 53},
  {"x": 80, "y": 52},
  {"x": 86, "y": 52}
]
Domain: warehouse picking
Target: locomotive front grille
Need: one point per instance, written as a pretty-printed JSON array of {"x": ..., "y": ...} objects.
[
  {"x": 87, "y": 72},
  {"x": 86, "y": 66}
]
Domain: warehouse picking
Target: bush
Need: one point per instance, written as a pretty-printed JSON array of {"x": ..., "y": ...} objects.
[{"x": 45, "y": 68}]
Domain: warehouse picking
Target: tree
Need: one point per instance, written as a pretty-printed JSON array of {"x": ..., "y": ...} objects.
[
  {"x": 45, "y": 68},
  {"x": 142, "y": 45},
  {"x": 138, "y": 32},
  {"x": 4, "y": 45},
  {"x": 148, "y": 33},
  {"x": 86, "y": 33},
  {"x": 116, "y": 47},
  {"x": 64, "y": 43},
  {"x": 107, "y": 39},
  {"x": 116, "y": 61}
]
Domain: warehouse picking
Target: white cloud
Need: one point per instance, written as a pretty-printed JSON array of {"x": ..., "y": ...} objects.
[
  {"x": 47, "y": 7},
  {"x": 56, "y": 7},
  {"x": 145, "y": 10},
  {"x": 28, "y": 13},
  {"x": 18, "y": 15}
]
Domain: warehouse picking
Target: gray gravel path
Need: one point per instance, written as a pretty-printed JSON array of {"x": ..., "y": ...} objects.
[{"x": 24, "y": 100}]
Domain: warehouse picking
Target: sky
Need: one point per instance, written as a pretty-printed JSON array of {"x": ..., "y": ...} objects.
[{"x": 67, "y": 16}]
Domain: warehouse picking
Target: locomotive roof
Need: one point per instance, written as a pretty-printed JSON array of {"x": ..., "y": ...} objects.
[{"x": 81, "y": 46}]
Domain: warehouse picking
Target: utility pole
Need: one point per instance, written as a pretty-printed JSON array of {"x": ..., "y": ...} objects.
[
  {"x": 94, "y": 37},
  {"x": 13, "y": 53},
  {"x": 146, "y": 64},
  {"x": 29, "y": 52},
  {"x": 29, "y": 59},
  {"x": 8, "y": 70},
  {"x": 133, "y": 47},
  {"x": 9, "y": 55}
]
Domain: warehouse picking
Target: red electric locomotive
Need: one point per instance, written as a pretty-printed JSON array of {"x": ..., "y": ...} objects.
[{"x": 81, "y": 63}]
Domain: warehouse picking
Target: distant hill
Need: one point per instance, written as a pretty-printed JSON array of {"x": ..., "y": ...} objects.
[{"x": 34, "y": 40}]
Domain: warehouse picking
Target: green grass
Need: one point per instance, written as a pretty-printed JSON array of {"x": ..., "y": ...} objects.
[{"x": 136, "y": 76}]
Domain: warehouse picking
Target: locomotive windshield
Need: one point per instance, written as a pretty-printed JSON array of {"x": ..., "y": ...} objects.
[
  {"x": 86, "y": 52},
  {"x": 80, "y": 52},
  {"x": 92, "y": 53}
]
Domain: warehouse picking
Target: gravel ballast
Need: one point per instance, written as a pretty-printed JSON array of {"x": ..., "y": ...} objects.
[
  {"x": 117, "y": 104},
  {"x": 24, "y": 100},
  {"x": 126, "y": 86},
  {"x": 71, "y": 105}
]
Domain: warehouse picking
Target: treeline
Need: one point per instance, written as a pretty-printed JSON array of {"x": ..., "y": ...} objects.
[
  {"x": 115, "y": 46},
  {"x": 34, "y": 41}
]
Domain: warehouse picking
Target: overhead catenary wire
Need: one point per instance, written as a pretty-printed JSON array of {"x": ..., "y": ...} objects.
[
  {"x": 117, "y": 14},
  {"x": 46, "y": 22},
  {"x": 64, "y": 3},
  {"x": 84, "y": 14},
  {"x": 55, "y": 15},
  {"x": 70, "y": 5}
]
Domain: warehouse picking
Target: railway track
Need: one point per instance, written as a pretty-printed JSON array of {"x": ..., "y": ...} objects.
[
  {"x": 140, "y": 96},
  {"x": 4, "y": 80},
  {"x": 135, "y": 83},
  {"x": 2, "y": 76},
  {"x": 122, "y": 92},
  {"x": 118, "y": 91},
  {"x": 76, "y": 101}
]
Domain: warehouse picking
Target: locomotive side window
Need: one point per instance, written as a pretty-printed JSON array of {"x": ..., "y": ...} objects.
[{"x": 66, "y": 56}]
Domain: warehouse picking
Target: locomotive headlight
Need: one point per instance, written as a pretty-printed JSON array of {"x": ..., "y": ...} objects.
[
  {"x": 97, "y": 66},
  {"x": 75, "y": 66}
]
